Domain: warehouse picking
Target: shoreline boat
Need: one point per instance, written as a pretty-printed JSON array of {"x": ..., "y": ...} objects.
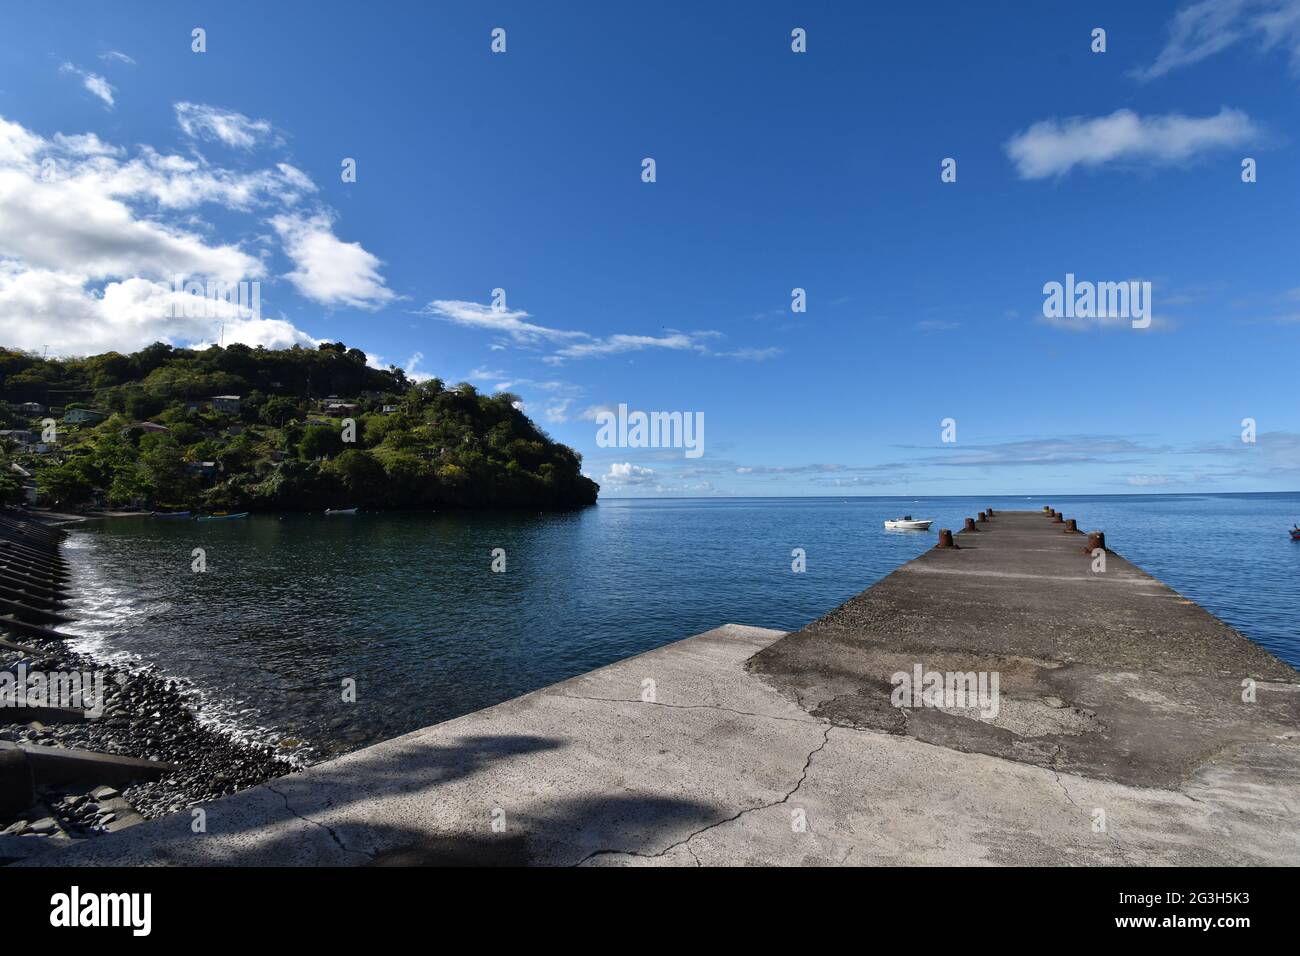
[
  {"x": 908, "y": 523},
  {"x": 340, "y": 511},
  {"x": 222, "y": 516},
  {"x": 1295, "y": 533},
  {"x": 169, "y": 514}
]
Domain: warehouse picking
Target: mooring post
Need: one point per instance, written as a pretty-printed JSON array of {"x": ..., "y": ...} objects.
[
  {"x": 1096, "y": 540},
  {"x": 945, "y": 539}
]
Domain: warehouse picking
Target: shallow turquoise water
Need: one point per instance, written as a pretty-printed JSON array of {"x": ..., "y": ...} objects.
[{"x": 409, "y": 608}]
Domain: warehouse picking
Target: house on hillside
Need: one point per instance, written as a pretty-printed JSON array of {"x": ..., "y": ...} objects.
[
  {"x": 24, "y": 437},
  {"x": 32, "y": 408},
  {"x": 84, "y": 416},
  {"x": 152, "y": 428},
  {"x": 226, "y": 404}
]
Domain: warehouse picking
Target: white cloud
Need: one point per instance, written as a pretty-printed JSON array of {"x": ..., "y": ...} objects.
[
  {"x": 1202, "y": 29},
  {"x": 86, "y": 236},
  {"x": 753, "y": 355},
  {"x": 616, "y": 344},
  {"x": 507, "y": 321},
  {"x": 1149, "y": 481},
  {"x": 412, "y": 368},
  {"x": 114, "y": 56},
  {"x": 202, "y": 122},
  {"x": 626, "y": 473},
  {"x": 557, "y": 410},
  {"x": 18, "y": 147},
  {"x": 70, "y": 225},
  {"x": 42, "y": 308},
  {"x": 93, "y": 82},
  {"x": 572, "y": 344},
  {"x": 329, "y": 270},
  {"x": 86, "y": 144},
  {"x": 182, "y": 182},
  {"x": 1054, "y": 147}
]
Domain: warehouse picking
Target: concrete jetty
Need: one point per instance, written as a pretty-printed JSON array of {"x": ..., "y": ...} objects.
[{"x": 1129, "y": 727}]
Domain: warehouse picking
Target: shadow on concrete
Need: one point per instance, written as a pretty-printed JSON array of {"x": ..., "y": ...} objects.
[
  {"x": 570, "y": 832},
  {"x": 393, "y": 793}
]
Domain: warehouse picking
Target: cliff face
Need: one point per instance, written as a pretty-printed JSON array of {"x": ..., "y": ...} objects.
[{"x": 294, "y": 429}]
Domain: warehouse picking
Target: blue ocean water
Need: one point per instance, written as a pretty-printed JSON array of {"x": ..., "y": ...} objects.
[{"x": 407, "y": 605}]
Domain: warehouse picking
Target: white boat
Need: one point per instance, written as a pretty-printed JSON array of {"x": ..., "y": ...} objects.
[
  {"x": 908, "y": 523},
  {"x": 340, "y": 511}
]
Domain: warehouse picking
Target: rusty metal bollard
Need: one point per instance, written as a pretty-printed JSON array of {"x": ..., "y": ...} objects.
[
  {"x": 970, "y": 525},
  {"x": 983, "y": 516},
  {"x": 989, "y": 512},
  {"x": 945, "y": 539},
  {"x": 1071, "y": 527},
  {"x": 1096, "y": 539},
  {"x": 1057, "y": 517}
]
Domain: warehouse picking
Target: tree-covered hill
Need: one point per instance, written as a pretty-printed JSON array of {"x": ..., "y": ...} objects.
[{"x": 294, "y": 429}]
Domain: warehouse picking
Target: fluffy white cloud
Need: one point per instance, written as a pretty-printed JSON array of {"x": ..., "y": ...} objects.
[
  {"x": 93, "y": 82},
  {"x": 42, "y": 308},
  {"x": 1053, "y": 147},
  {"x": 71, "y": 225},
  {"x": 329, "y": 270},
  {"x": 202, "y": 122},
  {"x": 626, "y": 473},
  {"x": 115, "y": 56},
  {"x": 87, "y": 236}
]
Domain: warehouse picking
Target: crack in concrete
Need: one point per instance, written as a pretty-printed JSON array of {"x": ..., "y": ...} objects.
[
  {"x": 826, "y": 736},
  {"x": 328, "y": 829},
  {"x": 1056, "y": 774},
  {"x": 655, "y": 703}
]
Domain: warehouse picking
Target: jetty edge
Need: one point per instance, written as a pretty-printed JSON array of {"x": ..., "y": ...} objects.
[{"x": 1133, "y": 728}]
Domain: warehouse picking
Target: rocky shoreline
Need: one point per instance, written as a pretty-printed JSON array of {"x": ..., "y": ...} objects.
[{"x": 144, "y": 716}]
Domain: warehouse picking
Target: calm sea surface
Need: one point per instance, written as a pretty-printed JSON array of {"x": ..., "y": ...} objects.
[{"x": 408, "y": 607}]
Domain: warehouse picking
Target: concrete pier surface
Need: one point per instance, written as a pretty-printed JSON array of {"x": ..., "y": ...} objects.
[{"x": 1120, "y": 737}]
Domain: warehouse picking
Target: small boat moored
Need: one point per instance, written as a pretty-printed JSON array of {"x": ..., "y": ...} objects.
[
  {"x": 222, "y": 516},
  {"x": 908, "y": 523},
  {"x": 340, "y": 511},
  {"x": 169, "y": 514}
]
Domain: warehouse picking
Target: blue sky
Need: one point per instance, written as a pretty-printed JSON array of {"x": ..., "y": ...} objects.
[{"x": 126, "y": 158}]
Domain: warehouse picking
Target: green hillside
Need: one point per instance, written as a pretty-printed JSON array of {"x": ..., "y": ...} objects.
[{"x": 292, "y": 430}]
